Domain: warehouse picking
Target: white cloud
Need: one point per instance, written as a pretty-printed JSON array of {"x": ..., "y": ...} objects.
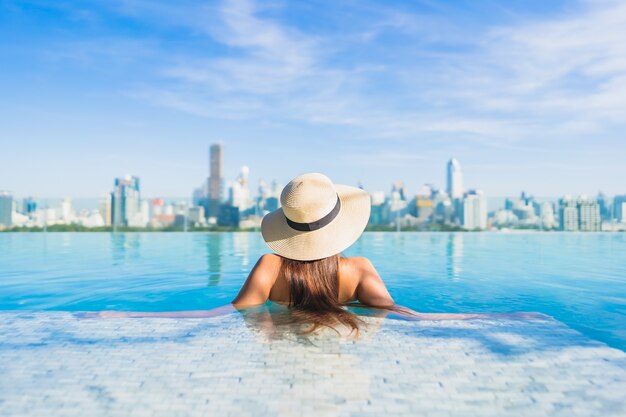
[
  {"x": 570, "y": 69},
  {"x": 560, "y": 76}
]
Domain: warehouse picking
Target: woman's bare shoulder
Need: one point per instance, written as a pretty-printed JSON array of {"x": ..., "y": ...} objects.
[
  {"x": 270, "y": 259},
  {"x": 358, "y": 268},
  {"x": 370, "y": 288},
  {"x": 256, "y": 289},
  {"x": 268, "y": 265},
  {"x": 359, "y": 264}
]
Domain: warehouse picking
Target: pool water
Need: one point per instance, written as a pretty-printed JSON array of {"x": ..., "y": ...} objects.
[{"x": 577, "y": 278}]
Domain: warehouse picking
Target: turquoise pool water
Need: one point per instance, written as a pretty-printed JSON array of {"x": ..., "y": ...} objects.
[{"x": 579, "y": 279}]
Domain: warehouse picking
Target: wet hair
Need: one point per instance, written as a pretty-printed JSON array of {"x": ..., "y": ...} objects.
[{"x": 314, "y": 294}]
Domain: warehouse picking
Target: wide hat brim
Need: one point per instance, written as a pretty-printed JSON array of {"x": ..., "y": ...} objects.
[{"x": 329, "y": 240}]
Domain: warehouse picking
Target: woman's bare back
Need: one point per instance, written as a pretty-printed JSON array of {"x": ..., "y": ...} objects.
[{"x": 358, "y": 281}]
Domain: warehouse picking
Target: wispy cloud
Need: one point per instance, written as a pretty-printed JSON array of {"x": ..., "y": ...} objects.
[
  {"x": 394, "y": 85},
  {"x": 389, "y": 73},
  {"x": 559, "y": 76},
  {"x": 569, "y": 70}
]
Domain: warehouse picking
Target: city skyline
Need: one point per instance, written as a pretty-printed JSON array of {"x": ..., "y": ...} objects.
[
  {"x": 229, "y": 203},
  {"x": 452, "y": 172},
  {"x": 530, "y": 96}
]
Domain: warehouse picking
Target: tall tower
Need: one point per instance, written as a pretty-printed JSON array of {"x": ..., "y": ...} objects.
[
  {"x": 588, "y": 214},
  {"x": 455, "y": 180},
  {"x": 216, "y": 172},
  {"x": 474, "y": 210},
  {"x": 568, "y": 214},
  {"x": 6, "y": 209},
  {"x": 125, "y": 200}
]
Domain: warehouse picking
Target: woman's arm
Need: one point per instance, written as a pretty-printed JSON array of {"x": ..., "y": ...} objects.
[
  {"x": 256, "y": 289},
  {"x": 371, "y": 289}
]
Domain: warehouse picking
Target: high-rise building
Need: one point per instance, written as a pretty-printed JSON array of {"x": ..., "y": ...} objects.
[
  {"x": 196, "y": 215},
  {"x": 398, "y": 187},
  {"x": 216, "y": 173},
  {"x": 605, "y": 206},
  {"x": 29, "y": 205},
  {"x": 125, "y": 201},
  {"x": 568, "y": 214},
  {"x": 443, "y": 208},
  {"x": 379, "y": 213},
  {"x": 6, "y": 209},
  {"x": 398, "y": 207},
  {"x": 454, "y": 180},
  {"x": 474, "y": 210},
  {"x": 619, "y": 208},
  {"x": 67, "y": 211},
  {"x": 588, "y": 215},
  {"x": 424, "y": 208},
  {"x": 239, "y": 195},
  {"x": 106, "y": 209},
  {"x": 546, "y": 214}
]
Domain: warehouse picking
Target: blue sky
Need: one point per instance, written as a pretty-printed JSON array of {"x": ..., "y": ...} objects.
[{"x": 528, "y": 95}]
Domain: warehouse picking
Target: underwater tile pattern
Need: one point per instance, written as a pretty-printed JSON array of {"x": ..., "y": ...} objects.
[{"x": 56, "y": 364}]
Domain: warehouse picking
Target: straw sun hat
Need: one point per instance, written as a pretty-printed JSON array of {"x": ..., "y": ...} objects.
[{"x": 317, "y": 218}]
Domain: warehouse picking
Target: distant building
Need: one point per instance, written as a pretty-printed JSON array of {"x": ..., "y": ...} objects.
[
  {"x": 605, "y": 207},
  {"x": 142, "y": 218},
  {"x": 228, "y": 216},
  {"x": 196, "y": 214},
  {"x": 67, "y": 211},
  {"x": 29, "y": 205},
  {"x": 424, "y": 208},
  {"x": 474, "y": 211},
  {"x": 568, "y": 214},
  {"x": 588, "y": 215},
  {"x": 546, "y": 214},
  {"x": 454, "y": 180},
  {"x": 106, "y": 209},
  {"x": 125, "y": 201},
  {"x": 619, "y": 208},
  {"x": 579, "y": 214},
  {"x": 216, "y": 174},
  {"x": 379, "y": 213},
  {"x": 239, "y": 192},
  {"x": 443, "y": 208},
  {"x": 6, "y": 209},
  {"x": 504, "y": 218},
  {"x": 398, "y": 187},
  {"x": 396, "y": 205}
]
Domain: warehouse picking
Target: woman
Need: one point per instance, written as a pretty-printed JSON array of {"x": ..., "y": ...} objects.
[{"x": 316, "y": 222}]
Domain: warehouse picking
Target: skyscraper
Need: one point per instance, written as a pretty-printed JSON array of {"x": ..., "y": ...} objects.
[
  {"x": 474, "y": 211},
  {"x": 605, "y": 206},
  {"x": 568, "y": 214},
  {"x": 239, "y": 195},
  {"x": 29, "y": 205},
  {"x": 546, "y": 214},
  {"x": 216, "y": 172},
  {"x": 125, "y": 200},
  {"x": 588, "y": 215},
  {"x": 6, "y": 209},
  {"x": 106, "y": 209},
  {"x": 455, "y": 179},
  {"x": 619, "y": 208}
]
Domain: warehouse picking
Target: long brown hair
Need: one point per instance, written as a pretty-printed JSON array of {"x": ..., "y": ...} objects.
[{"x": 314, "y": 293}]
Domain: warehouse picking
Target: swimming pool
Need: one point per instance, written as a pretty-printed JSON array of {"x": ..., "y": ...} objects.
[
  {"x": 247, "y": 363},
  {"x": 577, "y": 278}
]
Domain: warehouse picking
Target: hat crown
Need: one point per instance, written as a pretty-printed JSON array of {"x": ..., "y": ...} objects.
[{"x": 308, "y": 197}]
